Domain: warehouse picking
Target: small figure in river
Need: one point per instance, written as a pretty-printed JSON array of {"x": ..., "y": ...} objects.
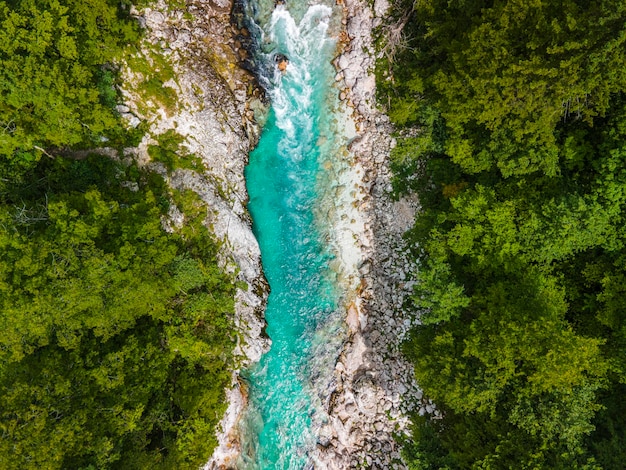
[{"x": 282, "y": 61}]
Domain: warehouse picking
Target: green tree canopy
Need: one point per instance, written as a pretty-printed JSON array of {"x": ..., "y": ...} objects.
[
  {"x": 505, "y": 74},
  {"x": 117, "y": 336},
  {"x": 55, "y": 74},
  {"x": 516, "y": 150}
]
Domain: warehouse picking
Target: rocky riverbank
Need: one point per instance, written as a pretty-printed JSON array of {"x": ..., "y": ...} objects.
[
  {"x": 212, "y": 113},
  {"x": 373, "y": 388},
  {"x": 367, "y": 399}
]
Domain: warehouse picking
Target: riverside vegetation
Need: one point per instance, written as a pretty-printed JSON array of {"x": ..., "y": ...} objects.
[
  {"x": 512, "y": 118},
  {"x": 116, "y": 334}
]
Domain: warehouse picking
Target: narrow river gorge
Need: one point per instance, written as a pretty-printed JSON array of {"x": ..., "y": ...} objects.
[{"x": 298, "y": 180}]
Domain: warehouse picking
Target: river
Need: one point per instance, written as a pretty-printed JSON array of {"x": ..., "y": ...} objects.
[{"x": 298, "y": 202}]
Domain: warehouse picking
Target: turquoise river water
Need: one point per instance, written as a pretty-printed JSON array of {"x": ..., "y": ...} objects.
[{"x": 292, "y": 197}]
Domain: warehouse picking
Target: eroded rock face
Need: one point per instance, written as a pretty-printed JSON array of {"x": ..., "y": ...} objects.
[{"x": 212, "y": 112}]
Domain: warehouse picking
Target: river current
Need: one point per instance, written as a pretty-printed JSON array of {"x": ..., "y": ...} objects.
[{"x": 294, "y": 199}]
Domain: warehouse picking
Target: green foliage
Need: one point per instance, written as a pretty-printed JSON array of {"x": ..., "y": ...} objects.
[
  {"x": 474, "y": 64},
  {"x": 517, "y": 154},
  {"x": 55, "y": 77},
  {"x": 116, "y": 335},
  {"x": 170, "y": 151},
  {"x": 149, "y": 63}
]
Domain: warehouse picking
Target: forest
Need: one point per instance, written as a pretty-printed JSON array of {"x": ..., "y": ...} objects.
[
  {"x": 117, "y": 335},
  {"x": 511, "y": 118}
]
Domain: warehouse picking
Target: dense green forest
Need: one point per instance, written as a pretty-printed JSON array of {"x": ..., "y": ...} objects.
[
  {"x": 512, "y": 125},
  {"x": 116, "y": 336},
  {"x": 57, "y": 74}
]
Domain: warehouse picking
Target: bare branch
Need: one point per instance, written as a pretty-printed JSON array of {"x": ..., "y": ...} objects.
[{"x": 36, "y": 147}]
